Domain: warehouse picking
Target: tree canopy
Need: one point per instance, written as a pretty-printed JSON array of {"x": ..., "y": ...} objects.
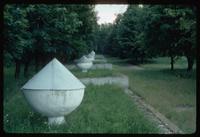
[
  {"x": 154, "y": 30},
  {"x": 40, "y": 32},
  {"x": 37, "y": 33}
]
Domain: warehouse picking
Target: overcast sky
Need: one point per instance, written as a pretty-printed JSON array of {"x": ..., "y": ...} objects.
[{"x": 107, "y": 12}]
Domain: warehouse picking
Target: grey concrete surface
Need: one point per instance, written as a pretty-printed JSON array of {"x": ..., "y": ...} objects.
[
  {"x": 119, "y": 80},
  {"x": 102, "y": 66}
]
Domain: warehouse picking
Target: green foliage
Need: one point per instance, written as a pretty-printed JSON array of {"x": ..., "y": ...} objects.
[
  {"x": 15, "y": 31},
  {"x": 127, "y": 37},
  {"x": 69, "y": 31},
  {"x": 39, "y": 32},
  {"x": 154, "y": 30},
  {"x": 172, "y": 32},
  {"x": 102, "y": 37}
]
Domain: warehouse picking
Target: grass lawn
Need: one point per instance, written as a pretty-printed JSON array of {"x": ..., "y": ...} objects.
[
  {"x": 171, "y": 93},
  {"x": 104, "y": 109}
]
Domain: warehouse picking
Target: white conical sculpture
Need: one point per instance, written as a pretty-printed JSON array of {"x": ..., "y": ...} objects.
[
  {"x": 91, "y": 56},
  {"x": 93, "y": 53},
  {"x": 54, "y": 92},
  {"x": 84, "y": 64}
]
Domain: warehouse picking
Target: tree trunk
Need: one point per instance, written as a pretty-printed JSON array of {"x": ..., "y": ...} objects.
[
  {"x": 17, "y": 68},
  {"x": 190, "y": 61},
  {"x": 172, "y": 62},
  {"x": 26, "y": 66},
  {"x": 136, "y": 59},
  {"x": 36, "y": 63},
  {"x": 43, "y": 59},
  {"x": 142, "y": 57}
]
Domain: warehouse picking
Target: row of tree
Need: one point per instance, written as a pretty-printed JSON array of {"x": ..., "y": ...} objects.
[
  {"x": 37, "y": 33},
  {"x": 151, "y": 31}
]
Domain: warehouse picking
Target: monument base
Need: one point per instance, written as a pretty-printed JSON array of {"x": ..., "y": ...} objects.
[
  {"x": 56, "y": 120},
  {"x": 84, "y": 70}
]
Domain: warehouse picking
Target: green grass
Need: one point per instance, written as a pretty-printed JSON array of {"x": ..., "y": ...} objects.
[
  {"x": 104, "y": 109},
  {"x": 93, "y": 73},
  {"x": 167, "y": 91}
]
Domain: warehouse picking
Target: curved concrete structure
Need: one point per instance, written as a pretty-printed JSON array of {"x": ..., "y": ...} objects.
[
  {"x": 84, "y": 64},
  {"x": 54, "y": 92}
]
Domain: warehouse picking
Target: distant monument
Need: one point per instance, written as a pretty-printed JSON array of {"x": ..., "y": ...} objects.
[{"x": 84, "y": 63}]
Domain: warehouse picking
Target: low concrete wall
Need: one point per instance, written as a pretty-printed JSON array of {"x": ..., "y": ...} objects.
[
  {"x": 99, "y": 56},
  {"x": 71, "y": 66},
  {"x": 102, "y": 66},
  {"x": 100, "y": 60},
  {"x": 94, "y": 66},
  {"x": 119, "y": 80}
]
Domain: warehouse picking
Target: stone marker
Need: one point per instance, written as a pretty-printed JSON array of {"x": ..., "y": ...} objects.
[
  {"x": 54, "y": 92},
  {"x": 84, "y": 63}
]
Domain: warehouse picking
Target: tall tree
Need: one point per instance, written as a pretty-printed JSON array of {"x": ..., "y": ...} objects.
[
  {"x": 41, "y": 32},
  {"x": 15, "y": 34},
  {"x": 127, "y": 39},
  {"x": 167, "y": 31}
]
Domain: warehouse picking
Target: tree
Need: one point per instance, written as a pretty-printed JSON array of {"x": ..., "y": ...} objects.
[
  {"x": 102, "y": 34},
  {"x": 127, "y": 38},
  {"x": 41, "y": 32},
  {"x": 188, "y": 34},
  {"x": 166, "y": 32},
  {"x": 15, "y": 34}
]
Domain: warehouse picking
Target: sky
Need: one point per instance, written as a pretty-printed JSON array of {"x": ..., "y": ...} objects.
[{"x": 107, "y": 13}]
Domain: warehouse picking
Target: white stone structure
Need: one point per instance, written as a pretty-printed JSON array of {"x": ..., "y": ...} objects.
[
  {"x": 102, "y": 66},
  {"x": 93, "y": 53},
  {"x": 119, "y": 80},
  {"x": 54, "y": 92},
  {"x": 91, "y": 56},
  {"x": 84, "y": 63}
]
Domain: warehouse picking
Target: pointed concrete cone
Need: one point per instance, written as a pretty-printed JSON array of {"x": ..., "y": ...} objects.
[
  {"x": 54, "y": 92},
  {"x": 84, "y": 64},
  {"x": 93, "y": 53},
  {"x": 91, "y": 57}
]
